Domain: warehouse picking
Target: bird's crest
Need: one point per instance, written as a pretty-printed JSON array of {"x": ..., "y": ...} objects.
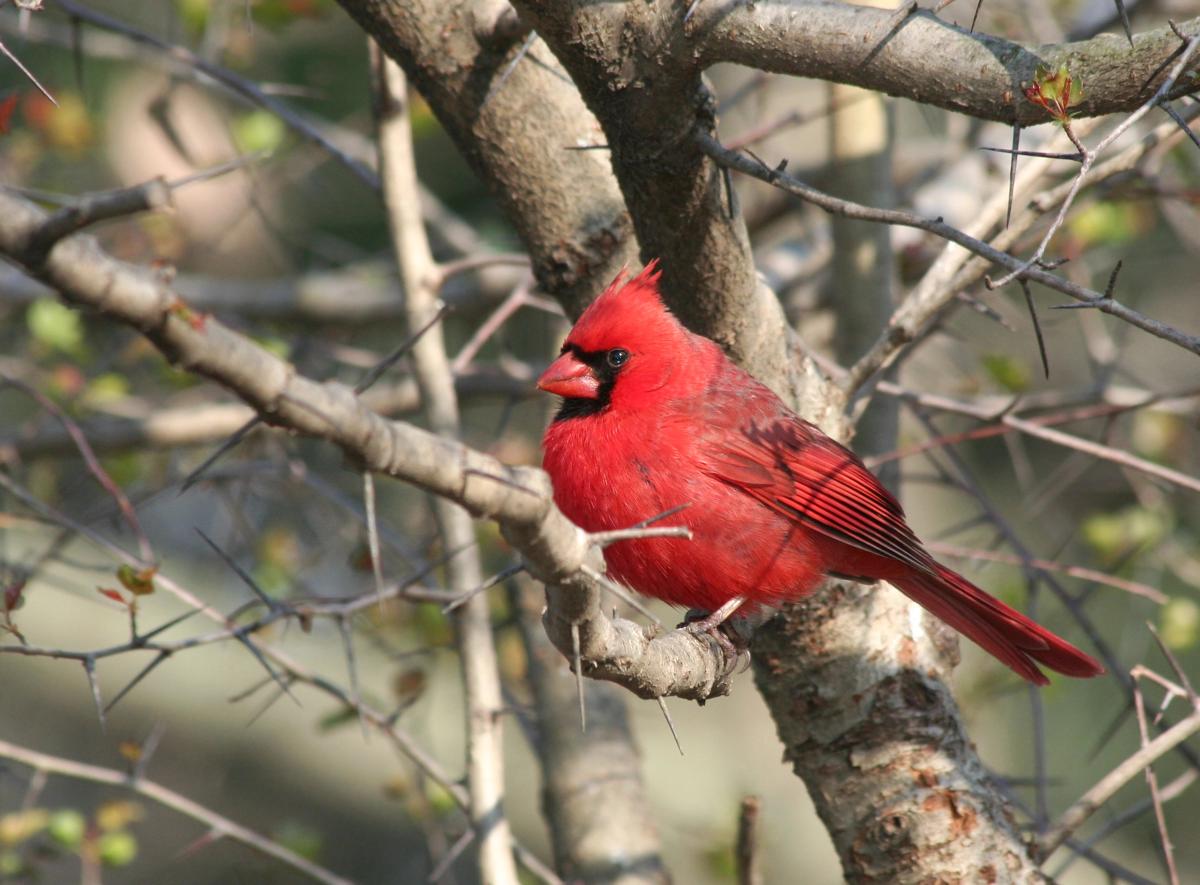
[{"x": 626, "y": 314}]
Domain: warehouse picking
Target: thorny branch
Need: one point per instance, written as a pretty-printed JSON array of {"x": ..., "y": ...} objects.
[
  {"x": 219, "y": 827},
  {"x": 676, "y": 663},
  {"x": 1106, "y": 787},
  {"x": 780, "y": 179},
  {"x": 435, "y": 378}
]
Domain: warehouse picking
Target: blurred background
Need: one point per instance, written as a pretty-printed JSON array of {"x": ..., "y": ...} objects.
[{"x": 291, "y": 248}]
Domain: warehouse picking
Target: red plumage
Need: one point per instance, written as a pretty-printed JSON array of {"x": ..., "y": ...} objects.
[{"x": 655, "y": 417}]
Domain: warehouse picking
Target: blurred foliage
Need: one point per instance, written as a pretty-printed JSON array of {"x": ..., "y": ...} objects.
[
  {"x": 1011, "y": 373},
  {"x": 32, "y": 840}
]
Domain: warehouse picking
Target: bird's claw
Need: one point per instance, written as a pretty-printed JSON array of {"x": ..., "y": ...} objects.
[{"x": 733, "y": 643}]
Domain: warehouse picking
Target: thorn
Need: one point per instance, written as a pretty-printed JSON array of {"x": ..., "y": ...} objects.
[
  {"x": 526, "y": 45},
  {"x": 618, "y": 591},
  {"x": 352, "y": 672},
  {"x": 443, "y": 865},
  {"x": 89, "y": 667},
  {"x": 577, "y": 663},
  {"x": 234, "y": 438},
  {"x": 28, "y": 73},
  {"x": 1125, "y": 21},
  {"x": 975, "y": 17},
  {"x": 1012, "y": 164},
  {"x": 1174, "y": 662},
  {"x": 662, "y": 705},
  {"x": 1183, "y": 124},
  {"x": 1112, "y": 282},
  {"x": 1037, "y": 326},
  {"x": 373, "y": 535},
  {"x": 376, "y": 371},
  {"x": 163, "y": 628},
  {"x": 495, "y": 579},
  {"x": 142, "y": 674},
  {"x": 147, "y": 750},
  {"x": 266, "y": 600}
]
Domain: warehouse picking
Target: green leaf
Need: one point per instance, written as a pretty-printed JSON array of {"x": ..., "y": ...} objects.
[
  {"x": 56, "y": 326},
  {"x": 439, "y": 799},
  {"x": 1112, "y": 535},
  {"x": 1179, "y": 623},
  {"x": 67, "y": 827},
  {"x": 11, "y": 864},
  {"x": 138, "y": 582},
  {"x": 106, "y": 388},
  {"x": 300, "y": 838},
  {"x": 117, "y": 848},
  {"x": 337, "y": 719},
  {"x": 258, "y": 131},
  {"x": 1009, "y": 372},
  {"x": 1107, "y": 222},
  {"x": 194, "y": 14}
]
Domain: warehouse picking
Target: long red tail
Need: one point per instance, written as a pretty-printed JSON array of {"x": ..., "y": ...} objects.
[{"x": 1003, "y": 632}]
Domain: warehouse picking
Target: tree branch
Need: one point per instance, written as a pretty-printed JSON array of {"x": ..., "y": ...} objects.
[
  {"x": 431, "y": 368},
  {"x": 929, "y": 60},
  {"x": 219, "y": 827},
  {"x": 570, "y": 215}
]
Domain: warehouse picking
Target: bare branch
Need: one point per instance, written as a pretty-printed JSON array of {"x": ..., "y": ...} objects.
[
  {"x": 848, "y": 209},
  {"x": 1107, "y": 786},
  {"x": 219, "y": 826},
  {"x": 431, "y": 366},
  {"x": 925, "y": 54}
]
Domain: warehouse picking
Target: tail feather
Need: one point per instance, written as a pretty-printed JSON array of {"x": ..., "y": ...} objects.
[{"x": 1014, "y": 639}]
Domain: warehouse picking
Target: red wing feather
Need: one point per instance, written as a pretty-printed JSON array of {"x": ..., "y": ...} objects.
[{"x": 795, "y": 470}]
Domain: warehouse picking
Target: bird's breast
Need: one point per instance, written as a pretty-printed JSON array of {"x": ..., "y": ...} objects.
[{"x": 612, "y": 474}]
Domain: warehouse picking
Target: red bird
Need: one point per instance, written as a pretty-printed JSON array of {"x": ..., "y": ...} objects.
[{"x": 655, "y": 417}]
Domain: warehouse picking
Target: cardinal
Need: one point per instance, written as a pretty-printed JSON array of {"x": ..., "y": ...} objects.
[{"x": 655, "y": 418}]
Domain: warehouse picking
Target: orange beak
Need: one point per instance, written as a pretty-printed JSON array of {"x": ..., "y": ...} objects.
[{"x": 571, "y": 378}]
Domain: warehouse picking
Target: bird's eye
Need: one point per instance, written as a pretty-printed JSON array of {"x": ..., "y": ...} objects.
[{"x": 616, "y": 357}]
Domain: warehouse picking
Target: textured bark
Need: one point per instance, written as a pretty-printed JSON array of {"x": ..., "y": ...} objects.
[
  {"x": 565, "y": 204},
  {"x": 633, "y": 63},
  {"x": 856, "y": 680},
  {"x": 929, "y": 60}
]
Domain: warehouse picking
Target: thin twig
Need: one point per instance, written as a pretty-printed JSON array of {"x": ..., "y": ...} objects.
[
  {"x": 220, "y": 827},
  {"x": 1107, "y": 786}
]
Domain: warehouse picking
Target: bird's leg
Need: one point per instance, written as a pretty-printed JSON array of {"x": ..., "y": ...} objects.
[
  {"x": 711, "y": 624},
  {"x": 715, "y": 619}
]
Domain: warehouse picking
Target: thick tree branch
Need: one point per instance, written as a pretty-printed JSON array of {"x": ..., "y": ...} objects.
[
  {"x": 929, "y": 60},
  {"x": 633, "y": 65},
  {"x": 570, "y": 214},
  {"x": 879, "y": 742}
]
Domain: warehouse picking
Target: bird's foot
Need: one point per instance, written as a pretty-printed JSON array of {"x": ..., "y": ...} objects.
[{"x": 733, "y": 642}]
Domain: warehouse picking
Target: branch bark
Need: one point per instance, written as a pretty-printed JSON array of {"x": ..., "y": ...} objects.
[
  {"x": 633, "y": 66},
  {"x": 509, "y": 123},
  {"x": 431, "y": 367},
  {"x": 857, "y": 680},
  {"x": 929, "y": 60}
]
